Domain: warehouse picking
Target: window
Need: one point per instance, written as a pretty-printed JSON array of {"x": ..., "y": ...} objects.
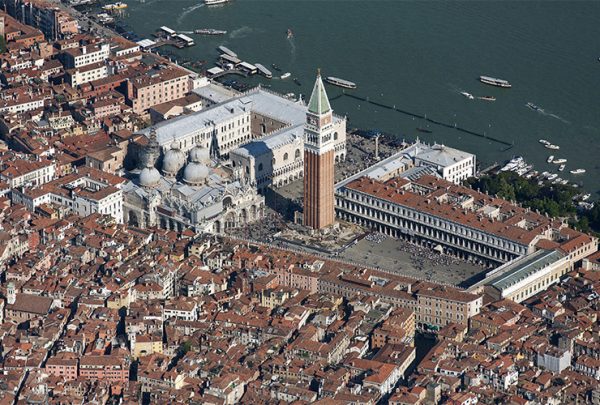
[
  {"x": 285, "y": 156},
  {"x": 260, "y": 167}
]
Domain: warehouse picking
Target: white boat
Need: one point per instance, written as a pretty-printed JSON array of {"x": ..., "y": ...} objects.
[
  {"x": 467, "y": 95},
  {"x": 545, "y": 174},
  {"x": 559, "y": 161},
  {"x": 544, "y": 142},
  {"x": 557, "y": 180},
  {"x": 578, "y": 171},
  {"x": 494, "y": 82},
  {"x": 561, "y": 167},
  {"x": 585, "y": 196},
  {"x": 550, "y": 159},
  {"x": 564, "y": 182},
  {"x": 214, "y": 2},
  {"x": 286, "y": 75},
  {"x": 552, "y": 176},
  {"x": 336, "y": 81},
  {"x": 553, "y": 147}
]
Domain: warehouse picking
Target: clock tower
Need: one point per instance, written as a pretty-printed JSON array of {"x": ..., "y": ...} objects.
[{"x": 319, "y": 153}]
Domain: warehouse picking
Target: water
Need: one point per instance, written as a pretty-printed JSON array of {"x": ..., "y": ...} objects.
[{"x": 419, "y": 56}]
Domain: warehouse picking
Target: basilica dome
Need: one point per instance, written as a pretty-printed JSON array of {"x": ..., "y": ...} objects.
[
  {"x": 149, "y": 177},
  {"x": 195, "y": 173},
  {"x": 199, "y": 154},
  {"x": 173, "y": 160}
]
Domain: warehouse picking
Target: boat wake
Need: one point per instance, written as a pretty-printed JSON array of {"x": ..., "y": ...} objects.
[
  {"x": 241, "y": 32},
  {"x": 188, "y": 10},
  {"x": 547, "y": 114}
]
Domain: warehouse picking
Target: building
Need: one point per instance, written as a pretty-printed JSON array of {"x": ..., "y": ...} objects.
[
  {"x": 276, "y": 155},
  {"x": 63, "y": 364},
  {"x": 219, "y": 128},
  {"x": 104, "y": 368},
  {"x": 23, "y": 307},
  {"x": 84, "y": 55},
  {"x": 454, "y": 219},
  {"x": 319, "y": 157},
  {"x": 451, "y": 164},
  {"x": 527, "y": 275},
  {"x": 192, "y": 192},
  {"x": 155, "y": 85},
  {"x": 17, "y": 170},
  {"x": 86, "y": 191},
  {"x": 87, "y": 73}
]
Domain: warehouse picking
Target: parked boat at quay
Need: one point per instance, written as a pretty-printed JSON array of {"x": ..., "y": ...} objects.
[
  {"x": 578, "y": 171},
  {"x": 559, "y": 161},
  {"x": 209, "y": 31},
  {"x": 495, "y": 82},
  {"x": 340, "y": 82},
  {"x": 561, "y": 167}
]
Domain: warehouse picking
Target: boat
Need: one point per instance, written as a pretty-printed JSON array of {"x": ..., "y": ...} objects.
[
  {"x": 533, "y": 107},
  {"x": 495, "y": 82},
  {"x": 209, "y": 31},
  {"x": 290, "y": 34},
  {"x": 561, "y": 167},
  {"x": 297, "y": 81},
  {"x": 552, "y": 176},
  {"x": 467, "y": 95},
  {"x": 115, "y": 6},
  {"x": 545, "y": 174},
  {"x": 517, "y": 159},
  {"x": 550, "y": 159},
  {"x": 214, "y": 2},
  {"x": 585, "y": 197},
  {"x": 286, "y": 75},
  {"x": 578, "y": 171},
  {"x": 275, "y": 67},
  {"x": 564, "y": 182},
  {"x": 424, "y": 130},
  {"x": 559, "y": 161},
  {"x": 544, "y": 142},
  {"x": 557, "y": 180},
  {"x": 553, "y": 147},
  {"x": 487, "y": 98},
  {"x": 340, "y": 82}
]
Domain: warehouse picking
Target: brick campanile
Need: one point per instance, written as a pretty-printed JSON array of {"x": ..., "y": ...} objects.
[{"x": 319, "y": 211}]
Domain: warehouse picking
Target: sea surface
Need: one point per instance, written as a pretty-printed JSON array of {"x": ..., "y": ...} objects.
[{"x": 417, "y": 56}]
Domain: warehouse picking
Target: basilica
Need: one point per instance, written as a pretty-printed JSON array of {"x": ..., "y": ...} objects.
[{"x": 189, "y": 190}]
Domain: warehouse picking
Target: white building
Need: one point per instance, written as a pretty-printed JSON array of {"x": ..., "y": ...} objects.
[
  {"x": 87, "y": 73},
  {"x": 221, "y": 128},
  {"x": 85, "y": 55},
  {"x": 22, "y": 172},
  {"x": 451, "y": 164},
  {"x": 85, "y": 192}
]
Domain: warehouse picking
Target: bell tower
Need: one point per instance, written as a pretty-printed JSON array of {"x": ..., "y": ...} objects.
[{"x": 319, "y": 157}]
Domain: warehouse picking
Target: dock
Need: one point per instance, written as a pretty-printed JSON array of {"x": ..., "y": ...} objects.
[
  {"x": 263, "y": 71},
  {"x": 227, "y": 51}
]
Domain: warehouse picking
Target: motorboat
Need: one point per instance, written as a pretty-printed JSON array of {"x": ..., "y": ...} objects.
[
  {"x": 552, "y": 146},
  {"x": 286, "y": 75},
  {"x": 559, "y": 161},
  {"x": 544, "y": 142},
  {"x": 467, "y": 95},
  {"x": 561, "y": 167},
  {"x": 550, "y": 159},
  {"x": 578, "y": 171}
]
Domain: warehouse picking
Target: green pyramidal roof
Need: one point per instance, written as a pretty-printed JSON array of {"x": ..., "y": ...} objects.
[{"x": 319, "y": 103}]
